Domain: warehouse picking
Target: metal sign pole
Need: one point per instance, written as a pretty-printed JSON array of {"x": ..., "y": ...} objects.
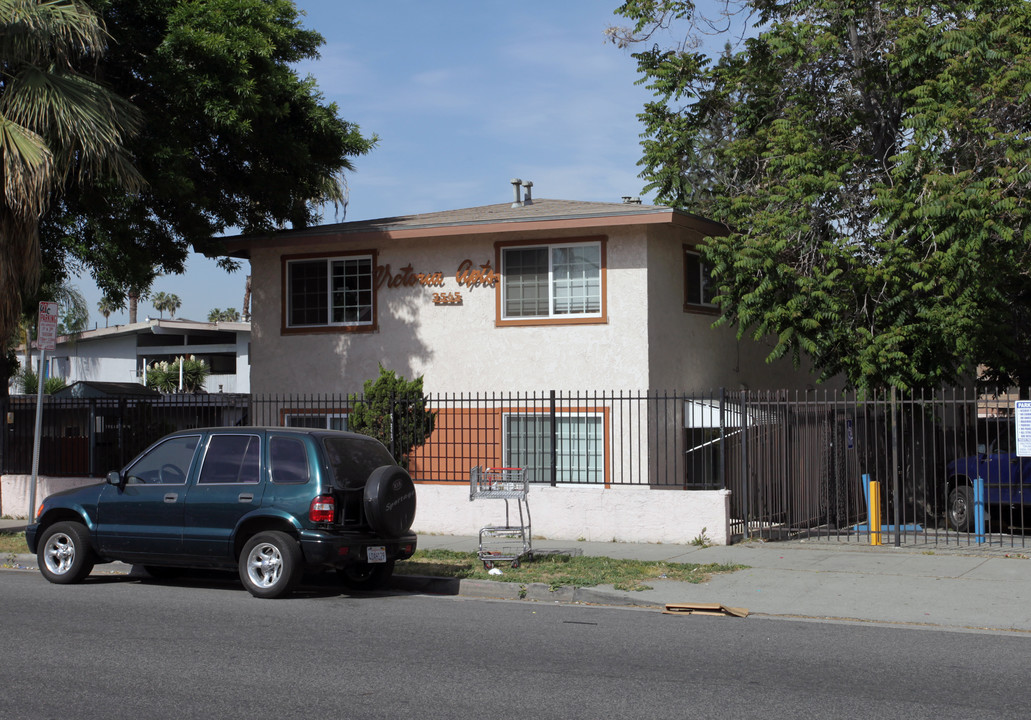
[
  {"x": 46, "y": 336},
  {"x": 36, "y": 437}
]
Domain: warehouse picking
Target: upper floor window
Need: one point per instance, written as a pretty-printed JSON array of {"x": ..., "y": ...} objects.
[
  {"x": 699, "y": 290},
  {"x": 330, "y": 292},
  {"x": 555, "y": 281}
]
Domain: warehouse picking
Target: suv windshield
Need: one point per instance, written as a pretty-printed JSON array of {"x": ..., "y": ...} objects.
[{"x": 354, "y": 460}]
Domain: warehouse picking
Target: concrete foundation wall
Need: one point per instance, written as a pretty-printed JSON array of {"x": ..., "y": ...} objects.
[
  {"x": 15, "y": 490},
  {"x": 624, "y": 514}
]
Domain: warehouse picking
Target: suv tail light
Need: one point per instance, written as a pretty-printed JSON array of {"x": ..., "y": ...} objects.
[{"x": 322, "y": 510}]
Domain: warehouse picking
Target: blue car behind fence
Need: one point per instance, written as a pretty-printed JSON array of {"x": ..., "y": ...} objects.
[{"x": 1007, "y": 478}]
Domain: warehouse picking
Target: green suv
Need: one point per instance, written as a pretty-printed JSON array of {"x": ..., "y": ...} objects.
[{"x": 270, "y": 502}]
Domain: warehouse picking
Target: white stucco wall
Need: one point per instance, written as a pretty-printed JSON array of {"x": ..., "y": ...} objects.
[
  {"x": 686, "y": 352},
  {"x": 620, "y": 514},
  {"x": 15, "y": 491},
  {"x": 457, "y": 348}
]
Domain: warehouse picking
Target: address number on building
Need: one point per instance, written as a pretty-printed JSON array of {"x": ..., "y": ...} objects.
[{"x": 447, "y": 298}]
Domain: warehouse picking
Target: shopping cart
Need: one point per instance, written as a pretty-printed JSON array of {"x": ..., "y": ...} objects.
[{"x": 508, "y": 542}]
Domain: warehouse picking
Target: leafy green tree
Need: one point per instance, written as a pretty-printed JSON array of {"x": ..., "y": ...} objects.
[
  {"x": 60, "y": 131},
  {"x": 872, "y": 163},
  {"x": 393, "y": 410},
  {"x": 232, "y": 138},
  {"x": 74, "y": 315}
]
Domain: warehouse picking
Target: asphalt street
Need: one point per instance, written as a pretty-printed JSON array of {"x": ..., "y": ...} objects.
[{"x": 118, "y": 646}]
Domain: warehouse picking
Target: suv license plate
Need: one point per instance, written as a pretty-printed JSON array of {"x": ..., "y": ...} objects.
[{"x": 376, "y": 554}]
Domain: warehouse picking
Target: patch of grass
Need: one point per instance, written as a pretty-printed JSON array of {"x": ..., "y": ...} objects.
[
  {"x": 13, "y": 543},
  {"x": 561, "y": 570}
]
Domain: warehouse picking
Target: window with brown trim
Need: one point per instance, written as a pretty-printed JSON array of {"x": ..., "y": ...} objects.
[
  {"x": 699, "y": 289},
  {"x": 329, "y": 292},
  {"x": 552, "y": 282}
]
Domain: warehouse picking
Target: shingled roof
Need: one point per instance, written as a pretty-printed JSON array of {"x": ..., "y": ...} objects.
[{"x": 541, "y": 210}]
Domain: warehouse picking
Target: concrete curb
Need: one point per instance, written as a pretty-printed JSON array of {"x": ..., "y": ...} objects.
[
  {"x": 430, "y": 585},
  {"x": 534, "y": 592}
]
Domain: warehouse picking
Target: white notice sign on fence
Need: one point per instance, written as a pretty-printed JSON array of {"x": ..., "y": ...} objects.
[
  {"x": 47, "y": 336},
  {"x": 1023, "y": 422}
]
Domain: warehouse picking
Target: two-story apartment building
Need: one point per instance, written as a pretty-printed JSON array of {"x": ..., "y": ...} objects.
[{"x": 519, "y": 297}]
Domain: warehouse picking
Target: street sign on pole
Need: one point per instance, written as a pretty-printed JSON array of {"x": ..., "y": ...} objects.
[{"x": 46, "y": 338}]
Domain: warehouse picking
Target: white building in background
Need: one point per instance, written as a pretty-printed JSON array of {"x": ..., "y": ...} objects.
[{"x": 121, "y": 353}]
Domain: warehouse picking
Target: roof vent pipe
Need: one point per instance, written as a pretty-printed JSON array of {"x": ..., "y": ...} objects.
[
  {"x": 516, "y": 182},
  {"x": 528, "y": 200}
]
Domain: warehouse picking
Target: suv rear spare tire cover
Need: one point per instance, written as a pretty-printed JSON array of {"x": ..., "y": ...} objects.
[{"x": 390, "y": 500}]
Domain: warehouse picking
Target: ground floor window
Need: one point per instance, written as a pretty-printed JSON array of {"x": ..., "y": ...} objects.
[
  {"x": 322, "y": 421},
  {"x": 579, "y": 449}
]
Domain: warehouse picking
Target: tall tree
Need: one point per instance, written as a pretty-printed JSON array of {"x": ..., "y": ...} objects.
[
  {"x": 60, "y": 131},
  {"x": 873, "y": 164},
  {"x": 163, "y": 301},
  {"x": 106, "y": 306},
  {"x": 233, "y": 137}
]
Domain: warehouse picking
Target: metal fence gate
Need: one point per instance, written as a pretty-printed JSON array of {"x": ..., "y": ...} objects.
[{"x": 796, "y": 463}]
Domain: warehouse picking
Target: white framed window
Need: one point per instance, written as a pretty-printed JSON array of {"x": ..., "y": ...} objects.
[
  {"x": 698, "y": 286},
  {"x": 320, "y": 421},
  {"x": 330, "y": 292},
  {"x": 552, "y": 281},
  {"x": 580, "y": 447}
]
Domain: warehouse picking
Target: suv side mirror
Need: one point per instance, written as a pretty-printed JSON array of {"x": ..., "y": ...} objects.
[{"x": 114, "y": 478}]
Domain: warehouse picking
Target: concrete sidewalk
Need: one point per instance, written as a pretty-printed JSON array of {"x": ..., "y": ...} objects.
[{"x": 958, "y": 587}]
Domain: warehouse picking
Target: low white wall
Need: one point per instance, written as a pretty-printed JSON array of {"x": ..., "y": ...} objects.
[
  {"x": 14, "y": 491},
  {"x": 623, "y": 514}
]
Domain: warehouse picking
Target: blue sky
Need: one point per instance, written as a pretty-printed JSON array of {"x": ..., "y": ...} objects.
[{"x": 464, "y": 96}]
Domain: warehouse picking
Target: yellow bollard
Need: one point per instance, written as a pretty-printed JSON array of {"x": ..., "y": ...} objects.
[{"x": 875, "y": 512}]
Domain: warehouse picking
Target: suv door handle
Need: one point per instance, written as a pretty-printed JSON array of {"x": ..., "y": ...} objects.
[
  {"x": 246, "y": 497},
  {"x": 171, "y": 497}
]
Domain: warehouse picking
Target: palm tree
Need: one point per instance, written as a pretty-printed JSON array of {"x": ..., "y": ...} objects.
[
  {"x": 106, "y": 306},
  {"x": 166, "y": 301},
  {"x": 160, "y": 302},
  {"x": 58, "y": 128},
  {"x": 172, "y": 304}
]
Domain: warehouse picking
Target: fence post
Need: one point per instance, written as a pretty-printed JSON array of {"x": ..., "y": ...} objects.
[
  {"x": 91, "y": 435},
  {"x": 554, "y": 441},
  {"x": 723, "y": 438},
  {"x": 5, "y": 428},
  {"x": 744, "y": 464},
  {"x": 897, "y": 495},
  {"x": 393, "y": 425}
]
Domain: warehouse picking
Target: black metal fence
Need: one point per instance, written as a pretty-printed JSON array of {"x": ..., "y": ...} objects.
[{"x": 796, "y": 464}]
